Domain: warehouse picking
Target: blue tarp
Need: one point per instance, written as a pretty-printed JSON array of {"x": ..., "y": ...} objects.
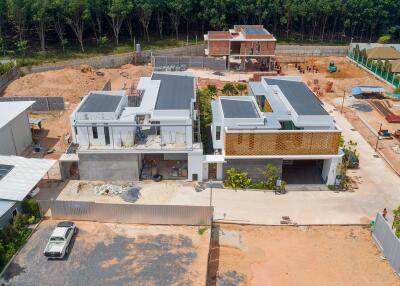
[{"x": 357, "y": 90}]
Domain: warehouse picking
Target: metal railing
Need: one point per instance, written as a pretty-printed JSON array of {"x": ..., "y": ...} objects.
[{"x": 375, "y": 69}]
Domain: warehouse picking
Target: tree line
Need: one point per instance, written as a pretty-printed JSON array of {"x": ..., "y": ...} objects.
[{"x": 23, "y": 21}]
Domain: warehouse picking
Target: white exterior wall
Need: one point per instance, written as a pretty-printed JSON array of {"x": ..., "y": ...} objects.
[
  {"x": 329, "y": 170},
  {"x": 16, "y": 136},
  {"x": 195, "y": 165},
  {"x": 176, "y": 134}
]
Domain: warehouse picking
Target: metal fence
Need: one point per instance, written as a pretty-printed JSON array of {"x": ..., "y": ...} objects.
[
  {"x": 387, "y": 241},
  {"x": 8, "y": 77},
  {"x": 42, "y": 103},
  {"x": 174, "y": 62},
  {"x": 131, "y": 213},
  {"x": 318, "y": 51},
  {"x": 375, "y": 68}
]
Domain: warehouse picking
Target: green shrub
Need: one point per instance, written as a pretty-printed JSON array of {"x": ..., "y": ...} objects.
[
  {"x": 5, "y": 67},
  {"x": 237, "y": 179},
  {"x": 202, "y": 229},
  {"x": 271, "y": 174},
  {"x": 384, "y": 39},
  {"x": 31, "y": 208},
  {"x": 396, "y": 90}
]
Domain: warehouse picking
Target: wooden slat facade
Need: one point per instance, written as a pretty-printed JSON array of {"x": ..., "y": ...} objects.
[{"x": 287, "y": 143}]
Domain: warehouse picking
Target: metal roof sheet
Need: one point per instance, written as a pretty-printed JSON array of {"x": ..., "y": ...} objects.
[
  {"x": 176, "y": 91},
  {"x": 25, "y": 175},
  {"x": 97, "y": 102},
  {"x": 239, "y": 108},
  {"x": 300, "y": 97},
  {"x": 10, "y": 110},
  {"x": 367, "y": 89}
]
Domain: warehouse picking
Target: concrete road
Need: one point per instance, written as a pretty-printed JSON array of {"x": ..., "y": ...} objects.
[{"x": 379, "y": 188}]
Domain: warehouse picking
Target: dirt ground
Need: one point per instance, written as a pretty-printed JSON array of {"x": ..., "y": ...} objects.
[
  {"x": 357, "y": 111},
  {"x": 115, "y": 254},
  {"x": 71, "y": 83},
  {"x": 318, "y": 255}
]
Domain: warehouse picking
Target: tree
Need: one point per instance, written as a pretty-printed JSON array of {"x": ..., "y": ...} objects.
[
  {"x": 41, "y": 17},
  {"x": 212, "y": 89},
  {"x": 58, "y": 19},
  {"x": 118, "y": 10},
  {"x": 396, "y": 221},
  {"x": 270, "y": 173},
  {"x": 176, "y": 9},
  {"x": 3, "y": 16},
  {"x": 77, "y": 12},
  {"x": 145, "y": 9},
  {"x": 241, "y": 87},
  {"x": 237, "y": 179},
  {"x": 97, "y": 10},
  {"x": 159, "y": 7},
  {"x": 229, "y": 89},
  {"x": 18, "y": 11}
]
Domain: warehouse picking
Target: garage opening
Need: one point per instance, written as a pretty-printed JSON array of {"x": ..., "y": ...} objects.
[
  {"x": 302, "y": 172},
  {"x": 169, "y": 166}
]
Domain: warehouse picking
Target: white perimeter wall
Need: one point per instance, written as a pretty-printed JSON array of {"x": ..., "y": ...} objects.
[{"x": 329, "y": 170}]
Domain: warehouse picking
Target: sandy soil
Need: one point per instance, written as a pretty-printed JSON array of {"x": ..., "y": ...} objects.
[
  {"x": 320, "y": 255},
  {"x": 142, "y": 192}
]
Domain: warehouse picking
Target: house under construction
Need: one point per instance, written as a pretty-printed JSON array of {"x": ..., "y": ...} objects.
[{"x": 251, "y": 43}]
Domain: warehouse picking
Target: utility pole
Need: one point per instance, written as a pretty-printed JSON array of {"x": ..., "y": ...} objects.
[
  {"x": 211, "y": 192},
  {"x": 377, "y": 138},
  {"x": 344, "y": 96}
]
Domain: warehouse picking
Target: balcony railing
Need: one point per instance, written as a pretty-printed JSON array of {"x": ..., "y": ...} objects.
[{"x": 139, "y": 137}]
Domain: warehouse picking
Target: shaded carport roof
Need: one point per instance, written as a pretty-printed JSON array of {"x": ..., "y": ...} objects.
[{"x": 24, "y": 175}]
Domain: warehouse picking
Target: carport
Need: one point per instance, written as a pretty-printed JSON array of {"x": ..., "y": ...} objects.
[{"x": 302, "y": 171}]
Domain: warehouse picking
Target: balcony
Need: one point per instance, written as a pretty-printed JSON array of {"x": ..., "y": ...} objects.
[{"x": 138, "y": 137}]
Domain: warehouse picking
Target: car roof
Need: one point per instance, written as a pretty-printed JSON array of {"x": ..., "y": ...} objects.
[
  {"x": 59, "y": 232},
  {"x": 65, "y": 224}
]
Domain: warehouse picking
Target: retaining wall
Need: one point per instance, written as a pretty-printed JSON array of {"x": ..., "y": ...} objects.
[
  {"x": 42, "y": 103},
  {"x": 6, "y": 78}
]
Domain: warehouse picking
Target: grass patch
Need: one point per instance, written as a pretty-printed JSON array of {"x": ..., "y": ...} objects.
[
  {"x": 202, "y": 230},
  {"x": 54, "y": 52}
]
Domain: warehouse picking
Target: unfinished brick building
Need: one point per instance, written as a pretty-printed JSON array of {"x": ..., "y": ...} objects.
[{"x": 244, "y": 42}]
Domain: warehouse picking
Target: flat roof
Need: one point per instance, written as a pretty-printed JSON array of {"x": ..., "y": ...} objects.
[
  {"x": 239, "y": 108},
  {"x": 10, "y": 110},
  {"x": 255, "y": 31},
  {"x": 177, "y": 90},
  {"x": 23, "y": 177},
  {"x": 99, "y": 102},
  {"x": 300, "y": 97}
]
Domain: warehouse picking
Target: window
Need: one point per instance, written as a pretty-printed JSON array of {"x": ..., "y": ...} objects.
[
  {"x": 195, "y": 177},
  {"x": 218, "y": 133},
  {"x": 107, "y": 135},
  {"x": 94, "y": 130},
  {"x": 76, "y": 130}
]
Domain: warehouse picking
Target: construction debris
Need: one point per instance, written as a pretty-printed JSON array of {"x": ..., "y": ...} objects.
[{"x": 108, "y": 189}]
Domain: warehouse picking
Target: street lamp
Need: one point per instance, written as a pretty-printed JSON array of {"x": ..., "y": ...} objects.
[{"x": 377, "y": 137}]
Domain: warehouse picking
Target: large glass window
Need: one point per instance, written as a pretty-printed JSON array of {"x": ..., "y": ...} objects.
[
  {"x": 94, "y": 131},
  {"x": 218, "y": 133}
]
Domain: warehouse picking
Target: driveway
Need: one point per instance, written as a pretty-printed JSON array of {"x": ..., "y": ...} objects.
[
  {"x": 115, "y": 254},
  {"x": 378, "y": 188}
]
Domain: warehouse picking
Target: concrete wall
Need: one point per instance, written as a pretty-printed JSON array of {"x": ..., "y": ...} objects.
[
  {"x": 16, "y": 136},
  {"x": 251, "y": 166},
  {"x": 195, "y": 165},
  {"x": 329, "y": 170},
  {"x": 109, "y": 167}
]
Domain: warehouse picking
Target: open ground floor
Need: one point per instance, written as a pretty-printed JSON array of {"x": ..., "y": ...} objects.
[
  {"x": 114, "y": 254},
  {"x": 293, "y": 170},
  {"x": 286, "y": 255}
]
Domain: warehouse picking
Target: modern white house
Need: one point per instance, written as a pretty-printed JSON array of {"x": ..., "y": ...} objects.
[
  {"x": 280, "y": 122},
  {"x": 15, "y": 132},
  {"x": 152, "y": 133}
]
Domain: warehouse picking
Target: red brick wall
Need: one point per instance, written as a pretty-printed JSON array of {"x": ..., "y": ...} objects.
[
  {"x": 266, "y": 48},
  {"x": 218, "y": 48}
]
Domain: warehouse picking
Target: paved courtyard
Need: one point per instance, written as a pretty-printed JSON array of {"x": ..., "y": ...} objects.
[{"x": 115, "y": 254}]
